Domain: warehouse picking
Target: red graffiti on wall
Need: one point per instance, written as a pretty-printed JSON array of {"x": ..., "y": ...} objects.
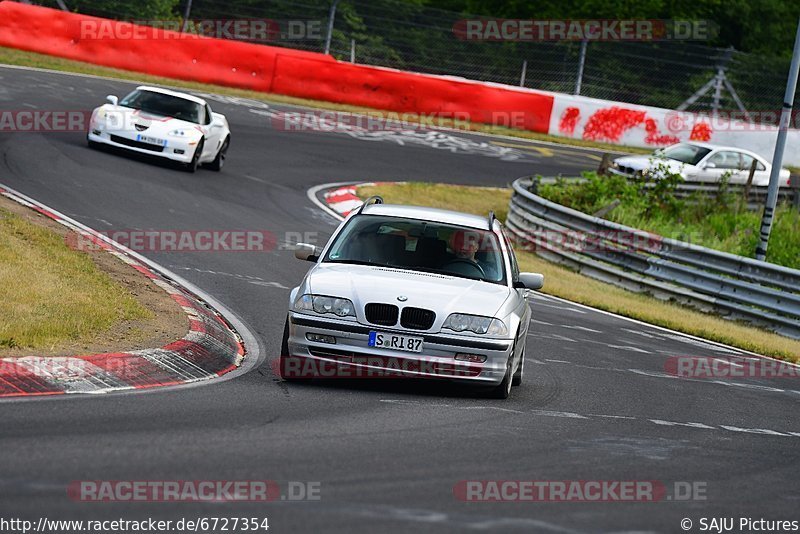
[
  {"x": 654, "y": 137},
  {"x": 610, "y": 124},
  {"x": 569, "y": 119},
  {"x": 701, "y": 131}
]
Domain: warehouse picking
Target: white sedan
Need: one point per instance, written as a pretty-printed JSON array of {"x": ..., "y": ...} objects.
[
  {"x": 168, "y": 124},
  {"x": 418, "y": 292},
  {"x": 700, "y": 162}
]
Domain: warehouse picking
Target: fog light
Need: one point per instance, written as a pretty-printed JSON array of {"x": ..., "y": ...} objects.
[
  {"x": 321, "y": 338},
  {"x": 179, "y": 151},
  {"x": 472, "y": 358}
]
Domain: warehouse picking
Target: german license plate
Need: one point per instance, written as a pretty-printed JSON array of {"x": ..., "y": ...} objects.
[
  {"x": 151, "y": 140},
  {"x": 384, "y": 340}
]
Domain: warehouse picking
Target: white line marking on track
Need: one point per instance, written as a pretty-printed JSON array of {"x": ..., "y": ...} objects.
[
  {"x": 557, "y": 361},
  {"x": 630, "y": 348},
  {"x": 549, "y": 413},
  {"x": 564, "y": 308},
  {"x": 255, "y": 280},
  {"x": 733, "y": 364},
  {"x": 573, "y": 415},
  {"x": 576, "y": 327}
]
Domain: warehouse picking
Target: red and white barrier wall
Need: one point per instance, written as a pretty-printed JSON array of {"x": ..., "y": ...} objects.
[
  {"x": 316, "y": 76},
  {"x": 591, "y": 119}
]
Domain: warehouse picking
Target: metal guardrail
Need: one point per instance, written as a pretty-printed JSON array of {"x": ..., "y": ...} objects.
[
  {"x": 740, "y": 288},
  {"x": 756, "y": 195}
]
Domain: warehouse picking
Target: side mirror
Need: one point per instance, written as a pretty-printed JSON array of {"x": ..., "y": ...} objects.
[
  {"x": 113, "y": 100},
  {"x": 530, "y": 281},
  {"x": 306, "y": 252},
  {"x": 709, "y": 165}
]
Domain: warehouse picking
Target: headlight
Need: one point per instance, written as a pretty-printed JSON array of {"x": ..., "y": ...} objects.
[
  {"x": 458, "y": 322},
  {"x": 322, "y": 305}
]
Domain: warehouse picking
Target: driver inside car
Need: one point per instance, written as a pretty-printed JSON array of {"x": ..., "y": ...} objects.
[{"x": 466, "y": 246}]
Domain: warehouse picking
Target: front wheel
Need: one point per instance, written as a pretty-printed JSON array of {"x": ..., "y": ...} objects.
[
  {"x": 517, "y": 380},
  {"x": 503, "y": 390},
  {"x": 219, "y": 161},
  {"x": 195, "y": 163},
  {"x": 289, "y": 366}
]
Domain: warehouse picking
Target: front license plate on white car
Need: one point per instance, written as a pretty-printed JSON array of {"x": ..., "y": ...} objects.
[
  {"x": 151, "y": 140},
  {"x": 384, "y": 340}
]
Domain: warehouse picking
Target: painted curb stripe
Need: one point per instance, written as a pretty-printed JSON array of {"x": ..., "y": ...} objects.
[{"x": 210, "y": 349}]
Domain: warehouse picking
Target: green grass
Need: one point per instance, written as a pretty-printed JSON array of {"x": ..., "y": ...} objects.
[
  {"x": 10, "y": 56},
  {"x": 721, "y": 222},
  {"x": 565, "y": 283},
  {"x": 51, "y": 294}
]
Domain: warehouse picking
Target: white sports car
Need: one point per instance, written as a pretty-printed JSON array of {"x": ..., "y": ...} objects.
[
  {"x": 701, "y": 162},
  {"x": 168, "y": 124},
  {"x": 414, "y": 292}
]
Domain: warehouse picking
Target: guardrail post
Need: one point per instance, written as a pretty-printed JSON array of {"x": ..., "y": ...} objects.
[
  {"x": 749, "y": 183},
  {"x": 331, "y": 19},
  {"x": 602, "y": 170}
]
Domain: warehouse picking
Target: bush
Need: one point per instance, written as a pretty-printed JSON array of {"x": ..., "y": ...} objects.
[{"x": 720, "y": 221}]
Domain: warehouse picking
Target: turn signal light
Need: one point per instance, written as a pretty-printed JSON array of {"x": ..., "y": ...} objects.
[
  {"x": 472, "y": 358},
  {"x": 321, "y": 338}
]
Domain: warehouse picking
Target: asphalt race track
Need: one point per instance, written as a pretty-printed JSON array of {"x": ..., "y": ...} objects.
[{"x": 597, "y": 403}]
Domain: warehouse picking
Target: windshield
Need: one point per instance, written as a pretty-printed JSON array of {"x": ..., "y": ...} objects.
[
  {"x": 420, "y": 246},
  {"x": 165, "y": 105},
  {"x": 685, "y": 153}
]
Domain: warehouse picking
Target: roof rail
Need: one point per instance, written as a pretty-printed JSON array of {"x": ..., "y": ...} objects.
[
  {"x": 371, "y": 200},
  {"x": 492, "y": 218}
]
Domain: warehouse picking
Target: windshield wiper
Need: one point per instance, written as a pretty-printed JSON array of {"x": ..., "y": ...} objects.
[{"x": 359, "y": 262}]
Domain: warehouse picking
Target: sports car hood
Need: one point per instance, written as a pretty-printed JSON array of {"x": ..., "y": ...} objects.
[
  {"x": 126, "y": 119},
  {"x": 440, "y": 293},
  {"x": 639, "y": 163}
]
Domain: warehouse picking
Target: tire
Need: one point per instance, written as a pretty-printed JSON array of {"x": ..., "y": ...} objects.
[
  {"x": 503, "y": 390},
  {"x": 518, "y": 376},
  {"x": 287, "y": 361},
  {"x": 195, "y": 163},
  {"x": 219, "y": 161}
]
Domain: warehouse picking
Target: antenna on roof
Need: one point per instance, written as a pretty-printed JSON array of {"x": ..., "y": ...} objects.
[
  {"x": 371, "y": 200},
  {"x": 492, "y": 218}
]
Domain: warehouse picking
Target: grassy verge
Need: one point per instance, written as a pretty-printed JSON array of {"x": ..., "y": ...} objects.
[
  {"x": 565, "y": 283},
  {"x": 50, "y": 294},
  {"x": 10, "y": 56},
  {"x": 720, "y": 221}
]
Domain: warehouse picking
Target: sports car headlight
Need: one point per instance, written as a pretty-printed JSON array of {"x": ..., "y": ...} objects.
[
  {"x": 322, "y": 305},
  {"x": 458, "y": 322}
]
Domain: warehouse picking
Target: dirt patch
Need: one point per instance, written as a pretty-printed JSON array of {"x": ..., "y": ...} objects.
[{"x": 167, "y": 324}]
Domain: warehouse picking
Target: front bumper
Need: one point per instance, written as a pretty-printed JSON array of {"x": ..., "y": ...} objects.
[
  {"x": 176, "y": 150},
  {"x": 352, "y": 357}
]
